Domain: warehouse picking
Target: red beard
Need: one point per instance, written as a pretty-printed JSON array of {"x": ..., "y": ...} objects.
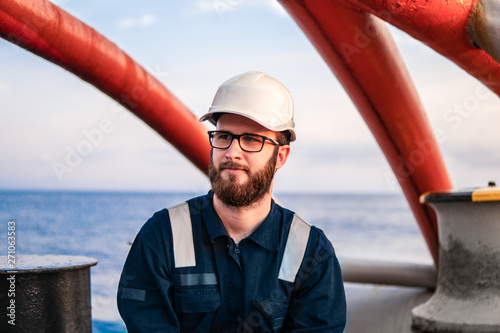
[{"x": 232, "y": 193}]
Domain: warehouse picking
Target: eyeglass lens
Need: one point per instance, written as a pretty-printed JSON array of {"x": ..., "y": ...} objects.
[{"x": 248, "y": 142}]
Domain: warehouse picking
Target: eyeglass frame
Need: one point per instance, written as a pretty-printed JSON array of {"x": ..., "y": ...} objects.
[{"x": 238, "y": 136}]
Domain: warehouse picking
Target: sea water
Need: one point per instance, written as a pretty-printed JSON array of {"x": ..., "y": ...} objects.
[{"x": 102, "y": 225}]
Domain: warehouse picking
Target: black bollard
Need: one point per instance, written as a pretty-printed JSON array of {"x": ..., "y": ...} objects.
[{"x": 45, "y": 293}]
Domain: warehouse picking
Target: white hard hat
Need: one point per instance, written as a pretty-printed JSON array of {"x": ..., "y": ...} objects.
[{"x": 257, "y": 96}]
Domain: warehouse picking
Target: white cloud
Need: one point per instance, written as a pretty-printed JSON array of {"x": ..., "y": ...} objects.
[{"x": 147, "y": 20}]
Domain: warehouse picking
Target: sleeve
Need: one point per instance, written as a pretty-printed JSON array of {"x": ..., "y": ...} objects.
[
  {"x": 144, "y": 293},
  {"x": 318, "y": 300}
]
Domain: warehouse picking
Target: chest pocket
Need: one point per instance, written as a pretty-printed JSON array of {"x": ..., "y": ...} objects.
[{"x": 196, "y": 299}]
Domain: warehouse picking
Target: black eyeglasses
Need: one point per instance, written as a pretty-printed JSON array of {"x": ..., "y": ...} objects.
[{"x": 252, "y": 143}]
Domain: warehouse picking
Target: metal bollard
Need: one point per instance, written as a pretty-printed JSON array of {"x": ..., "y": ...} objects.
[
  {"x": 45, "y": 293},
  {"x": 467, "y": 297}
]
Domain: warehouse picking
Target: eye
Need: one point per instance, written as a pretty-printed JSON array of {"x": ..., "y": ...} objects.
[
  {"x": 222, "y": 136},
  {"x": 250, "y": 139}
]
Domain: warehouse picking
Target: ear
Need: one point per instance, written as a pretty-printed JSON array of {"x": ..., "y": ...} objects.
[{"x": 283, "y": 153}]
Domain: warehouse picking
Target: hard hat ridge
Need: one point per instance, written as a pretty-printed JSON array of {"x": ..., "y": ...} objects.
[{"x": 257, "y": 96}]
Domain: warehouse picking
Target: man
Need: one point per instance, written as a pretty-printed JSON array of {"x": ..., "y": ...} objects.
[{"x": 234, "y": 260}]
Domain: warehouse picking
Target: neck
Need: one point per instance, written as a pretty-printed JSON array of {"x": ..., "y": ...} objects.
[{"x": 241, "y": 222}]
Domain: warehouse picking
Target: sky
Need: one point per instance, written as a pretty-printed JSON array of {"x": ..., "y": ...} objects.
[{"x": 192, "y": 47}]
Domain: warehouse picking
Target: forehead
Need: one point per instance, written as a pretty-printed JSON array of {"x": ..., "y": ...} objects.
[{"x": 238, "y": 124}]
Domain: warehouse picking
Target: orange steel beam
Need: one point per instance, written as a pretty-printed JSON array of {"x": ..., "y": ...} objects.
[
  {"x": 445, "y": 27},
  {"x": 361, "y": 52},
  {"x": 51, "y": 33}
]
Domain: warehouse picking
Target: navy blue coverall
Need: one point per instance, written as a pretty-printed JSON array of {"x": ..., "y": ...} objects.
[{"x": 233, "y": 287}]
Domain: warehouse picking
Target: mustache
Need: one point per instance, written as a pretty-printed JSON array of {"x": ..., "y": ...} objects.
[{"x": 232, "y": 165}]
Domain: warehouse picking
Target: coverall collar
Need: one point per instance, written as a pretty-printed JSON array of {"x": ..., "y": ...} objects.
[{"x": 266, "y": 235}]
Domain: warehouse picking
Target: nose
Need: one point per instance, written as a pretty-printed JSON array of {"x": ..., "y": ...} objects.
[{"x": 234, "y": 151}]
